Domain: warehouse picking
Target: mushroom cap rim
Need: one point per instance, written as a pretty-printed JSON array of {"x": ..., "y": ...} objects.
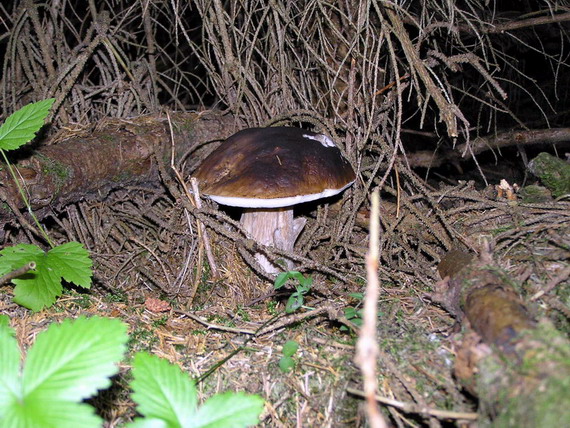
[{"x": 234, "y": 201}]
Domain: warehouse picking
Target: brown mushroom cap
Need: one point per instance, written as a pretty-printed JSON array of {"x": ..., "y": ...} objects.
[{"x": 274, "y": 167}]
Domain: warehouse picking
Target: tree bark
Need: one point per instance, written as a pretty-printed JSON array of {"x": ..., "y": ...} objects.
[{"x": 88, "y": 164}]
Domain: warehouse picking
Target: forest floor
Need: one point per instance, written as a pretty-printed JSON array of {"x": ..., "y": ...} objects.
[{"x": 146, "y": 273}]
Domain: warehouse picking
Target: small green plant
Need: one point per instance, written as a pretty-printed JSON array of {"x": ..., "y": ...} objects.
[
  {"x": 40, "y": 284},
  {"x": 68, "y": 363},
  {"x": 353, "y": 313},
  {"x": 271, "y": 306},
  {"x": 287, "y": 362},
  {"x": 167, "y": 398},
  {"x": 302, "y": 286}
]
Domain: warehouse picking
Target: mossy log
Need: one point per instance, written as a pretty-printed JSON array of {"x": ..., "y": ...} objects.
[
  {"x": 518, "y": 368},
  {"x": 116, "y": 153}
]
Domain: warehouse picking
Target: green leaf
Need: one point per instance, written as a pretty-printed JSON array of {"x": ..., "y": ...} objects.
[
  {"x": 21, "y": 126},
  {"x": 296, "y": 275},
  {"x": 359, "y": 296},
  {"x": 60, "y": 414},
  {"x": 350, "y": 312},
  {"x": 148, "y": 423},
  {"x": 290, "y": 347},
  {"x": 280, "y": 280},
  {"x": 72, "y": 262},
  {"x": 306, "y": 283},
  {"x": 67, "y": 363},
  {"x": 9, "y": 368},
  {"x": 286, "y": 364},
  {"x": 294, "y": 302},
  {"x": 72, "y": 360},
  {"x": 357, "y": 322},
  {"x": 229, "y": 410},
  {"x": 40, "y": 287},
  {"x": 4, "y": 322},
  {"x": 166, "y": 396},
  {"x": 17, "y": 256},
  {"x": 163, "y": 391}
]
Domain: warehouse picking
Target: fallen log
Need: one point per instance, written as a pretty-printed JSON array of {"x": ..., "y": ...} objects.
[
  {"x": 89, "y": 163},
  {"x": 518, "y": 368}
]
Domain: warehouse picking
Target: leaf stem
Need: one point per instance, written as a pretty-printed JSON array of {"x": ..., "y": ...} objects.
[{"x": 26, "y": 201}]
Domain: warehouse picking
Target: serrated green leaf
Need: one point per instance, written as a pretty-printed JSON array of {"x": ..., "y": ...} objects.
[
  {"x": 163, "y": 391},
  {"x": 5, "y": 321},
  {"x": 40, "y": 287},
  {"x": 12, "y": 258},
  {"x": 61, "y": 414},
  {"x": 9, "y": 368},
  {"x": 72, "y": 262},
  {"x": 149, "y": 423},
  {"x": 72, "y": 360},
  {"x": 290, "y": 347},
  {"x": 229, "y": 410},
  {"x": 21, "y": 126}
]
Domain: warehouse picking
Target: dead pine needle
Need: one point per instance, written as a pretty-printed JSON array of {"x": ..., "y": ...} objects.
[{"x": 367, "y": 345}]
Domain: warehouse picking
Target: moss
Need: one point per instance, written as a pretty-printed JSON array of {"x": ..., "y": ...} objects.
[
  {"x": 534, "y": 194},
  {"x": 117, "y": 296},
  {"x": 58, "y": 171},
  {"x": 553, "y": 172},
  {"x": 160, "y": 321},
  {"x": 531, "y": 391},
  {"x": 53, "y": 167}
]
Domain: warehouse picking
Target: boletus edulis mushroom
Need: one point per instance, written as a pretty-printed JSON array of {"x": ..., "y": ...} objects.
[{"x": 267, "y": 171}]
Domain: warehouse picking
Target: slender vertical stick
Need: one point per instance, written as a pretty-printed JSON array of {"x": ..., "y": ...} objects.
[
  {"x": 205, "y": 239},
  {"x": 367, "y": 345}
]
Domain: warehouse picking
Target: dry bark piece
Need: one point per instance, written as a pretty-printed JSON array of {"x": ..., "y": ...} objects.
[
  {"x": 267, "y": 171},
  {"x": 156, "y": 305}
]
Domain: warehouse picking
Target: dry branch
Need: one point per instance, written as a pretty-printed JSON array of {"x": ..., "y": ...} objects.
[
  {"x": 367, "y": 345},
  {"x": 428, "y": 159}
]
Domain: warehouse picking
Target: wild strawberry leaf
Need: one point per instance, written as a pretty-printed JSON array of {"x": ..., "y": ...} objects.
[
  {"x": 40, "y": 287},
  {"x": 21, "y": 126}
]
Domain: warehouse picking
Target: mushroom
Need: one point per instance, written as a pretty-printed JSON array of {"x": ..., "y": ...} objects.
[{"x": 269, "y": 170}]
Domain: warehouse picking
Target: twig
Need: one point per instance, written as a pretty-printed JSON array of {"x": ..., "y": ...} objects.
[
  {"x": 367, "y": 347},
  {"x": 412, "y": 408},
  {"x": 196, "y": 202},
  {"x": 447, "y": 110},
  {"x": 16, "y": 273},
  {"x": 201, "y": 225},
  {"x": 562, "y": 276},
  {"x": 270, "y": 325}
]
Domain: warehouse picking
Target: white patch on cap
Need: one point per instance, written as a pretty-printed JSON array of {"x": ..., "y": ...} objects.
[
  {"x": 323, "y": 139},
  {"x": 275, "y": 202}
]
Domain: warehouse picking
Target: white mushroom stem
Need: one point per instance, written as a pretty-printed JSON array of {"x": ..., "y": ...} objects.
[{"x": 274, "y": 227}]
